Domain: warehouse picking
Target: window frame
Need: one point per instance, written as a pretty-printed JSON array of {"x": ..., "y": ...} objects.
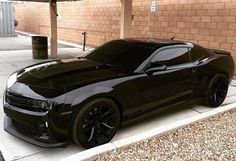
[{"x": 147, "y": 62}]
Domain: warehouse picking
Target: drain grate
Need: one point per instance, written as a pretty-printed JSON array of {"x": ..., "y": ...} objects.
[{"x": 1, "y": 157}]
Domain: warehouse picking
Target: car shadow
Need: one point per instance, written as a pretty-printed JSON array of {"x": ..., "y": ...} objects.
[
  {"x": 155, "y": 119},
  {"x": 1, "y": 157}
]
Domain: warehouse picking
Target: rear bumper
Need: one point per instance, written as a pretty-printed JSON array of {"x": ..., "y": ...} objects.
[{"x": 32, "y": 127}]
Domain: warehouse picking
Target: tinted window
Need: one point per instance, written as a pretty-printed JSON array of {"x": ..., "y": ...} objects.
[
  {"x": 198, "y": 53},
  {"x": 123, "y": 56},
  {"x": 106, "y": 52},
  {"x": 173, "y": 56}
]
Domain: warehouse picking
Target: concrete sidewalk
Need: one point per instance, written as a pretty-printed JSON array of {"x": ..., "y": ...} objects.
[
  {"x": 15, "y": 149},
  {"x": 21, "y": 42}
]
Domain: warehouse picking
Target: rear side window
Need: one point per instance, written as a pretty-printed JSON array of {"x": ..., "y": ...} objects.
[{"x": 172, "y": 56}]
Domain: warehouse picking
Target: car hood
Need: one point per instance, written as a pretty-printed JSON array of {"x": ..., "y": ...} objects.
[{"x": 66, "y": 73}]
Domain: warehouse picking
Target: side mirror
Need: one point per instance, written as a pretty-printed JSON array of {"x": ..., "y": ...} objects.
[{"x": 155, "y": 68}]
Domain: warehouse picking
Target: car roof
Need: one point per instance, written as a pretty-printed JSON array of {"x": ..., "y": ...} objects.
[{"x": 154, "y": 42}]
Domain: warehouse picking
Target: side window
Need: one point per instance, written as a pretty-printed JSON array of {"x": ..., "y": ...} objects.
[{"x": 172, "y": 56}]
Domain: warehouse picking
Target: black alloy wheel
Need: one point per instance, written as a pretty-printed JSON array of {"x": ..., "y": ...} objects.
[
  {"x": 217, "y": 91},
  {"x": 96, "y": 123}
]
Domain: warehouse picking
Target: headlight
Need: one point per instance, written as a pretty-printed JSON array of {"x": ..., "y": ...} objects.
[
  {"x": 45, "y": 105},
  {"x": 42, "y": 104},
  {"x": 11, "y": 80}
]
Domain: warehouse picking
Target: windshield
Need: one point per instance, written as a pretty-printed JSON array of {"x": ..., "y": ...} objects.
[{"x": 122, "y": 55}]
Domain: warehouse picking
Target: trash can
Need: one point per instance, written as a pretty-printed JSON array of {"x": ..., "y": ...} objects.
[{"x": 40, "y": 47}]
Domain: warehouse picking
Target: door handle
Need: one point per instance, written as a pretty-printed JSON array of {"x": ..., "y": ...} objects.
[{"x": 194, "y": 70}]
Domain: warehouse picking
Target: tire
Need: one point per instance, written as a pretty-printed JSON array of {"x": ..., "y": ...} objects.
[
  {"x": 96, "y": 123},
  {"x": 217, "y": 90}
]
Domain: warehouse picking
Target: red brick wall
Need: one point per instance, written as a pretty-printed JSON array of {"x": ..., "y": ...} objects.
[
  {"x": 99, "y": 18},
  {"x": 211, "y": 23}
]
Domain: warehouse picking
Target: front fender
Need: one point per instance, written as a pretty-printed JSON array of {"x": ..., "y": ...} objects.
[
  {"x": 78, "y": 96},
  {"x": 90, "y": 93}
]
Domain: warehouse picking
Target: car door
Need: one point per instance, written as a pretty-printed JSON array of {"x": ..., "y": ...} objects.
[{"x": 171, "y": 86}]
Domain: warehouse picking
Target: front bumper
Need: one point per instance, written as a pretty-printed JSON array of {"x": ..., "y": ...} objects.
[{"x": 33, "y": 127}]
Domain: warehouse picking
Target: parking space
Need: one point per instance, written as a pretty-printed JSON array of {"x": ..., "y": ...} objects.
[{"x": 15, "y": 149}]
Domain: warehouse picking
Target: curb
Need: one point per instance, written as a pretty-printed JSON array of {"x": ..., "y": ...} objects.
[
  {"x": 92, "y": 153},
  {"x": 59, "y": 41}
]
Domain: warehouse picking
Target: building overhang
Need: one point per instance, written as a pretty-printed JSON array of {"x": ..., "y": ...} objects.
[{"x": 45, "y": 1}]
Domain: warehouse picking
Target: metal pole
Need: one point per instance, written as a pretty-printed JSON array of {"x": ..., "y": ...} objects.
[{"x": 84, "y": 45}]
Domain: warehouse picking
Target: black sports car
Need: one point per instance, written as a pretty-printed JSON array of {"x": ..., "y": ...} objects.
[{"x": 86, "y": 99}]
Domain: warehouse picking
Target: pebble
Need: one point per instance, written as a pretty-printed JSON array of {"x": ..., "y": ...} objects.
[{"x": 210, "y": 139}]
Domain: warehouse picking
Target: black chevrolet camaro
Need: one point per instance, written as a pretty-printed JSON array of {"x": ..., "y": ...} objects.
[{"x": 86, "y": 99}]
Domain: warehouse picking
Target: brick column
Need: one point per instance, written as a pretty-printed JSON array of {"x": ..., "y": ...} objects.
[
  {"x": 53, "y": 20},
  {"x": 126, "y": 18}
]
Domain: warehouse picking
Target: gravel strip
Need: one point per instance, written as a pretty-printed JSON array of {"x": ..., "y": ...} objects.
[{"x": 211, "y": 139}]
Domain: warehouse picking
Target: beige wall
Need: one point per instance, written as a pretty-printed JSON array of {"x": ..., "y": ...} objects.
[{"x": 211, "y": 23}]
